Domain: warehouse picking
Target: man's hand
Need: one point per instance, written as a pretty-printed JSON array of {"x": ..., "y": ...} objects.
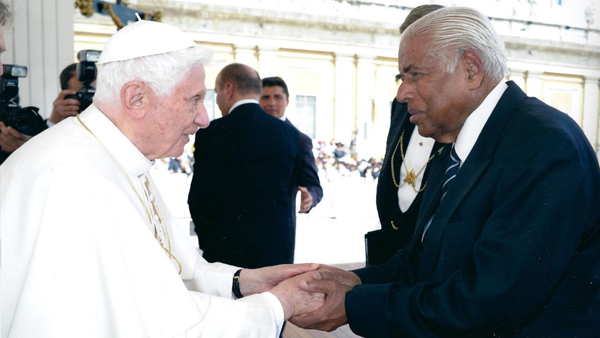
[
  {"x": 341, "y": 276},
  {"x": 10, "y": 139},
  {"x": 254, "y": 281},
  {"x": 64, "y": 108},
  {"x": 294, "y": 298},
  {"x": 334, "y": 283},
  {"x": 306, "y": 200}
]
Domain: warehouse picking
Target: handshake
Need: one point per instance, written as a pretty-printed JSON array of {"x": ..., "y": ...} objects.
[{"x": 312, "y": 295}]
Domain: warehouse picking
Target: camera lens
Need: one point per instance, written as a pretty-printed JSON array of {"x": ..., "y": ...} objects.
[{"x": 26, "y": 120}]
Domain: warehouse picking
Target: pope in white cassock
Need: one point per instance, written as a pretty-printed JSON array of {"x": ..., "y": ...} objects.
[{"x": 87, "y": 245}]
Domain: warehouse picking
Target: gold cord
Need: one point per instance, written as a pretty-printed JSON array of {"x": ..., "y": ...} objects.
[
  {"x": 161, "y": 220},
  {"x": 411, "y": 177}
]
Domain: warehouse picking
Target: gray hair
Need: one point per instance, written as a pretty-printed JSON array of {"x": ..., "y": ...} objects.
[
  {"x": 162, "y": 72},
  {"x": 5, "y": 15},
  {"x": 417, "y": 13},
  {"x": 456, "y": 30}
]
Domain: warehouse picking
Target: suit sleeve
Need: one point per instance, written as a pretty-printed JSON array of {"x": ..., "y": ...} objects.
[
  {"x": 533, "y": 212},
  {"x": 203, "y": 185},
  {"x": 308, "y": 174}
]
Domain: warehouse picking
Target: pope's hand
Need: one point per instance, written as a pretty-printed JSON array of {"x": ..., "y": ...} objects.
[
  {"x": 254, "y": 281},
  {"x": 294, "y": 297}
]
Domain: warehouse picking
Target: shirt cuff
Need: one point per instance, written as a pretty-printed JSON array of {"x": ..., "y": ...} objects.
[{"x": 277, "y": 309}]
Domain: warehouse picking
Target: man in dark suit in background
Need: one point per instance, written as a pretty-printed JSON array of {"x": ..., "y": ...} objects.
[
  {"x": 274, "y": 100},
  {"x": 403, "y": 176},
  {"x": 244, "y": 174},
  {"x": 508, "y": 236}
]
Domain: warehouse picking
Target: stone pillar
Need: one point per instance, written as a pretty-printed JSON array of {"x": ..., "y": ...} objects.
[
  {"x": 345, "y": 98},
  {"x": 590, "y": 110},
  {"x": 267, "y": 62},
  {"x": 42, "y": 40},
  {"x": 246, "y": 55},
  {"x": 518, "y": 77},
  {"x": 534, "y": 84},
  {"x": 365, "y": 78}
]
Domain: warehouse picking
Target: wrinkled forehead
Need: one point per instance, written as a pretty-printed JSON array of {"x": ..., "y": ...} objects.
[{"x": 409, "y": 49}]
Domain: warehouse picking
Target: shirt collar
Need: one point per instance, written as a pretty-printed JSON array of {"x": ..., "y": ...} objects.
[
  {"x": 115, "y": 142},
  {"x": 241, "y": 102},
  {"x": 474, "y": 124}
]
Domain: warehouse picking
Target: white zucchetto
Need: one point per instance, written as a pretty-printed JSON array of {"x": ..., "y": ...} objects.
[{"x": 144, "y": 38}]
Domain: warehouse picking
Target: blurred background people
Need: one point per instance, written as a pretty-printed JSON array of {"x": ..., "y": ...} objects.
[
  {"x": 245, "y": 174},
  {"x": 274, "y": 100}
]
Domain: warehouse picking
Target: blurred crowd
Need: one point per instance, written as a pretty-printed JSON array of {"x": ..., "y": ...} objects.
[{"x": 333, "y": 159}]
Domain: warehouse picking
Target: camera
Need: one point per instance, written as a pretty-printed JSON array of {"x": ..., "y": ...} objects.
[
  {"x": 25, "y": 120},
  {"x": 86, "y": 73}
]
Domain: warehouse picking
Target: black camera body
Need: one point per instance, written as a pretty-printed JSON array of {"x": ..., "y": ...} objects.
[
  {"x": 86, "y": 73},
  {"x": 25, "y": 120}
]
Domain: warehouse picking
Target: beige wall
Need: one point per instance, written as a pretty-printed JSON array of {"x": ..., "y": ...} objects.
[{"x": 345, "y": 56}]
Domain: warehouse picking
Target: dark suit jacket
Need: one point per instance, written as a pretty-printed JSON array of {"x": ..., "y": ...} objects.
[
  {"x": 308, "y": 175},
  {"x": 514, "y": 247},
  {"x": 397, "y": 228},
  {"x": 244, "y": 174}
]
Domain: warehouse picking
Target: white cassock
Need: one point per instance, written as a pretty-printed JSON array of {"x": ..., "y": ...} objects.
[{"x": 79, "y": 257}]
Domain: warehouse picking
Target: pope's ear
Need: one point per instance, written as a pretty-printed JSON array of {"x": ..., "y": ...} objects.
[{"x": 133, "y": 98}]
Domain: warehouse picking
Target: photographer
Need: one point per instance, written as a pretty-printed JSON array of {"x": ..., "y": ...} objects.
[{"x": 63, "y": 107}]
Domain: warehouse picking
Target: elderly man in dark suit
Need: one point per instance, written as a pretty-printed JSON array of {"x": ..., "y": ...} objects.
[
  {"x": 244, "y": 174},
  {"x": 274, "y": 100},
  {"x": 508, "y": 236}
]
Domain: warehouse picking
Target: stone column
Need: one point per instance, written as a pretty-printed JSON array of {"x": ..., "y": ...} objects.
[
  {"x": 518, "y": 77},
  {"x": 345, "y": 98},
  {"x": 365, "y": 78},
  {"x": 246, "y": 55},
  {"x": 590, "y": 110},
  {"x": 42, "y": 40},
  {"x": 267, "y": 62},
  {"x": 534, "y": 84}
]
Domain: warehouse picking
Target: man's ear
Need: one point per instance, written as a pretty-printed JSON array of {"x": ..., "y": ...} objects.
[
  {"x": 133, "y": 98},
  {"x": 229, "y": 90},
  {"x": 474, "y": 69}
]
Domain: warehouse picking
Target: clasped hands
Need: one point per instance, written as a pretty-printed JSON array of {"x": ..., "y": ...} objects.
[{"x": 312, "y": 295}]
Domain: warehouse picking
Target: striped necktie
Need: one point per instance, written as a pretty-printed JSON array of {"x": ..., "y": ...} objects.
[{"x": 451, "y": 170}]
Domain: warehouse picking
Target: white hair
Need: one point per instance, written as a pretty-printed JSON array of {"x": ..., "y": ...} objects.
[
  {"x": 162, "y": 72},
  {"x": 455, "y": 30}
]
